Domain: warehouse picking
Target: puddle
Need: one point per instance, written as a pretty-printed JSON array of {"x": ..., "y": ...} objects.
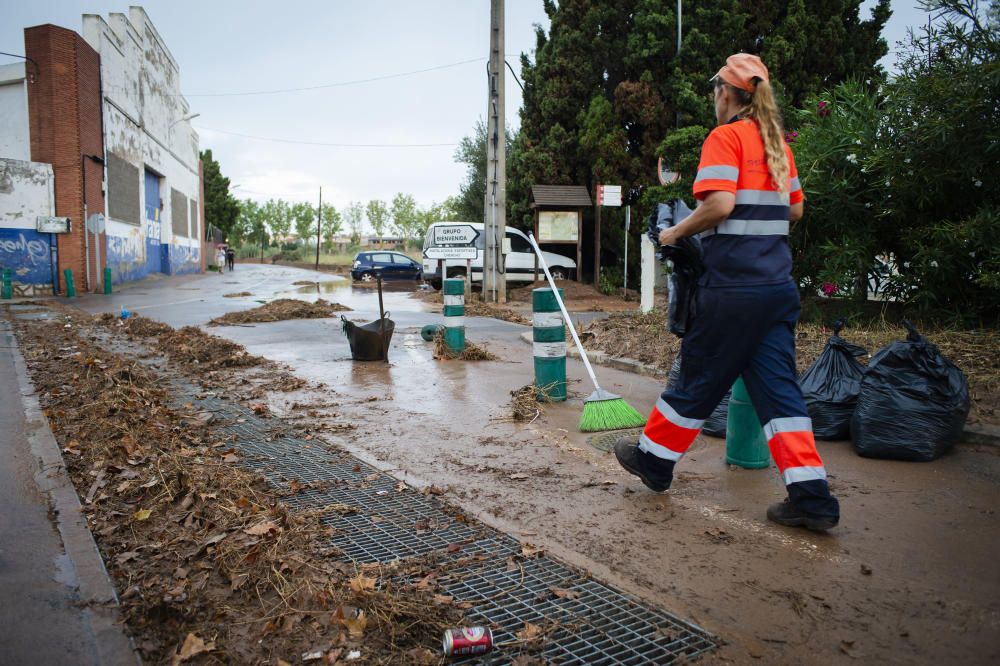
[{"x": 396, "y": 296}]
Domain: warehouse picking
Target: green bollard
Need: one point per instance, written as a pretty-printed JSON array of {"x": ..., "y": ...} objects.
[
  {"x": 453, "y": 292},
  {"x": 549, "y": 337},
  {"x": 8, "y": 290},
  {"x": 745, "y": 443},
  {"x": 70, "y": 287},
  {"x": 107, "y": 281}
]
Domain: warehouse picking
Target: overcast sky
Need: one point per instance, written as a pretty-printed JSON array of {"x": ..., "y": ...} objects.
[{"x": 233, "y": 46}]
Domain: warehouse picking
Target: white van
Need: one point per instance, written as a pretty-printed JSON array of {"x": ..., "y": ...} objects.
[{"x": 520, "y": 262}]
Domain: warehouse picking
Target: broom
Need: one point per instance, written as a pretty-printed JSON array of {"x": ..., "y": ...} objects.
[{"x": 601, "y": 410}]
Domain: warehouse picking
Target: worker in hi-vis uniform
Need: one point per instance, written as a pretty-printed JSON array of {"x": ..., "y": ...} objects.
[{"x": 746, "y": 304}]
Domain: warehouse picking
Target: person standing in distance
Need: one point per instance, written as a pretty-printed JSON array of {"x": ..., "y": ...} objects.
[{"x": 747, "y": 304}]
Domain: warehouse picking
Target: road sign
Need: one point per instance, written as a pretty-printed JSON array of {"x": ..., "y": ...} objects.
[
  {"x": 454, "y": 235},
  {"x": 457, "y": 252},
  {"x": 609, "y": 195},
  {"x": 95, "y": 223},
  {"x": 52, "y": 225}
]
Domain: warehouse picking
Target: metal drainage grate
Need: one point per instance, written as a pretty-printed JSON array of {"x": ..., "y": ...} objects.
[
  {"x": 605, "y": 441},
  {"x": 376, "y": 520},
  {"x": 596, "y": 624}
]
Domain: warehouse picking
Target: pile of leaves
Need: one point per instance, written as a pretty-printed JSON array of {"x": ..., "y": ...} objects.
[
  {"x": 477, "y": 308},
  {"x": 190, "y": 346},
  {"x": 472, "y": 351},
  {"x": 205, "y": 558},
  {"x": 237, "y": 294},
  {"x": 280, "y": 310},
  {"x": 645, "y": 338},
  {"x": 572, "y": 290}
]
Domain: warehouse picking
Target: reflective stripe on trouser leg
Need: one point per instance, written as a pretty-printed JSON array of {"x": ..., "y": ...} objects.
[
  {"x": 793, "y": 448},
  {"x": 667, "y": 434}
]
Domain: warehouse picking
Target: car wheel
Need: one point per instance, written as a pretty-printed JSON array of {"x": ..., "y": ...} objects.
[
  {"x": 558, "y": 273},
  {"x": 367, "y": 276}
]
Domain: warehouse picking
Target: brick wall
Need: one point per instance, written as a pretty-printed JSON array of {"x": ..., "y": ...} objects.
[{"x": 64, "y": 111}]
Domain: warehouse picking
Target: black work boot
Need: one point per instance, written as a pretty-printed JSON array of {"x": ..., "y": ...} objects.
[
  {"x": 656, "y": 473},
  {"x": 785, "y": 513}
]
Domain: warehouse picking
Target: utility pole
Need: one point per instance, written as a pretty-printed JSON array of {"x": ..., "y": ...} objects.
[
  {"x": 319, "y": 224},
  {"x": 495, "y": 222}
]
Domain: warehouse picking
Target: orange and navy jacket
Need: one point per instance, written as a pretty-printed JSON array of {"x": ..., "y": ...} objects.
[{"x": 750, "y": 247}]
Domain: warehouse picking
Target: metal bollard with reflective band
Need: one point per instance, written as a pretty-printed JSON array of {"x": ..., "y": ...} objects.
[
  {"x": 453, "y": 290},
  {"x": 549, "y": 336}
]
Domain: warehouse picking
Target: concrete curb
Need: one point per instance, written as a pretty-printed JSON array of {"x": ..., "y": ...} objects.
[
  {"x": 975, "y": 434},
  {"x": 97, "y": 593}
]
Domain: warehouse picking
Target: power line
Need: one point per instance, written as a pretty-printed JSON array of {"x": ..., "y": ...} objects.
[
  {"x": 339, "y": 84},
  {"x": 335, "y": 145}
]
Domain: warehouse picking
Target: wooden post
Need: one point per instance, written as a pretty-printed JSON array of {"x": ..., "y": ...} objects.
[{"x": 597, "y": 247}]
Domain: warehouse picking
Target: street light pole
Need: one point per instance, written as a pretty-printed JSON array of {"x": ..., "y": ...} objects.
[{"x": 319, "y": 224}]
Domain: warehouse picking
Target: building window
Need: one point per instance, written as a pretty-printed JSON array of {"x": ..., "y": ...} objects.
[
  {"x": 123, "y": 190},
  {"x": 178, "y": 213},
  {"x": 194, "y": 218}
]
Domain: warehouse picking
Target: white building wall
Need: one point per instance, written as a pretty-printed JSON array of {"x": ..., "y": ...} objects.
[
  {"x": 15, "y": 138},
  {"x": 144, "y": 124},
  {"x": 27, "y": 191}
]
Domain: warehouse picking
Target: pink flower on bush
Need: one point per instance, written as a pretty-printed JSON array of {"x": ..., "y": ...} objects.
[
  {"x": 790, "y": 137},
  {"x": 829, "y": 289},
  {"x": 823, "y": 109}
]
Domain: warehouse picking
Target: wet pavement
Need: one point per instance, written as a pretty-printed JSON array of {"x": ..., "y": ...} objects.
[
  {"x": 909, "y": 576},
  {"x": 45, "y": 616}
]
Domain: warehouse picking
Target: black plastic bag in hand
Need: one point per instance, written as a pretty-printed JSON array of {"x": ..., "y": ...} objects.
[
  {"x": 715, "y": 424},
  {"x": 913, "y": 402},
  {"x": 688, "y": 265},
  {"x": 830, "y": 387}
]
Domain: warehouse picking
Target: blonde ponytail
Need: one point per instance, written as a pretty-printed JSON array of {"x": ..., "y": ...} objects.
[{"x": 764, "y": 110}]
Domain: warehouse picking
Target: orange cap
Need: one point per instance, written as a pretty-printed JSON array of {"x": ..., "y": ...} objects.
[{"x": 741, "y": 69}]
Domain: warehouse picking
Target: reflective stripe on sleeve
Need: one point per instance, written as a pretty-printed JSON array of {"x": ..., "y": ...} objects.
[{"x": 719, "y": 172}]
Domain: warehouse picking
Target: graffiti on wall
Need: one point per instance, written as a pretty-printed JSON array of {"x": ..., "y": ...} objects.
[
  {"x": 184, "y": 259},
  {"x": 27, "y": 253}
]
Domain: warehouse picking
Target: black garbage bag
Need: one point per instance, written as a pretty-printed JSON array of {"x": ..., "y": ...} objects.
[
  {"x": 715, "y": 424},
  {"x": 913, "y": 402},
  {"x": 687, "y": 257},
  {"x": 830, "y": 386}
]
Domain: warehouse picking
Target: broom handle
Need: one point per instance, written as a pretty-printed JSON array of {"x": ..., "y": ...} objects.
[{"x": 569, "y": 324}]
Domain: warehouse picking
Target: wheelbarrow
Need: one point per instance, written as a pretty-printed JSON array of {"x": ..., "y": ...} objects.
[{"x": 370, "y": 342}]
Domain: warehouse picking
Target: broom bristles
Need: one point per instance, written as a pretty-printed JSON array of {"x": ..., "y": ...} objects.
[{"x": 615, "y": 414}]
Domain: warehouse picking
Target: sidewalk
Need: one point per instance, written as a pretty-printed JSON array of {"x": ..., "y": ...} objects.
[{"x": 58, "y": 606}]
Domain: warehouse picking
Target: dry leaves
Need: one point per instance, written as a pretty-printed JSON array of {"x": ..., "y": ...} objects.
[{"x": 193, "y": 645}]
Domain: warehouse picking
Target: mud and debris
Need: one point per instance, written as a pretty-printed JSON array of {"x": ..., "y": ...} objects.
[
  {"x": 472, "y": 351},
  {"x": 645, "y": 338},
  {"x": 474, "y": 307},
  {"x": 280, "y": 309},
  {"x": 237, "y": 294},
  {"x": 207, "y": 560}
]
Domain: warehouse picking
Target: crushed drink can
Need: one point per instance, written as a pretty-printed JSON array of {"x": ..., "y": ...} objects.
[{"x": 466, "y": 641}]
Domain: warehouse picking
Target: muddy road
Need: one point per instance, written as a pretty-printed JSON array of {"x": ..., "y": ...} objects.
[{"x": 908, "y": 577}]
